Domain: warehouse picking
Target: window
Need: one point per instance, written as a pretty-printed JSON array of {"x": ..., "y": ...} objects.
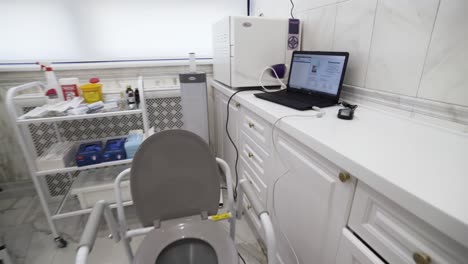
[{"x": 102, "y": 30}]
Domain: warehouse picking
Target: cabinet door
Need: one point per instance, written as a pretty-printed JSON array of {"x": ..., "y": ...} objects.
[
  {"x": 353, "y": 251},
  {"x": 398, "y": 235},
  {"x": 309, "y": 203},
  {"x": 224, "y": 148}
]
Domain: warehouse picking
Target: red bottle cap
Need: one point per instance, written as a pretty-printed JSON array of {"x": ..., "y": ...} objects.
[
  {"x": 51, "y": 91},
  {"x": 94, "y": 80}
]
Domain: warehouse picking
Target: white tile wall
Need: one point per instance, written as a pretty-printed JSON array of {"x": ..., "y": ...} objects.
[
  {"x": 353, "y": 33},
  {"x": 399, "y": 43},
  {"x": 412, "y": 49},
  {"x": 270, "y": 8},
  {"x": 445, "y": 72},
  {"x": 306, "y": 5},
  {"x": 318, "y": 28}
]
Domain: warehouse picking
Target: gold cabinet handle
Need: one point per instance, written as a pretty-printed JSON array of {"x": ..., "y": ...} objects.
[
  {"x": 251, "y": 125},
  {"x": 421, "y": 258},
  {"x": 344, "y": 176},
  {"x": 251, "y": 155}
]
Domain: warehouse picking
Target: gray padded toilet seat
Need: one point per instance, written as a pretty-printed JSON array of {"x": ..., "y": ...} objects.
[
  {"x": 189, "y": 228},
  {"x": 174, "y": 178}
]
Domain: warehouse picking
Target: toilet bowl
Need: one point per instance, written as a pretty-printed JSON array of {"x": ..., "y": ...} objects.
[
  {"x": 189, "y": 240},
  {"x": 175, "y": 185}
]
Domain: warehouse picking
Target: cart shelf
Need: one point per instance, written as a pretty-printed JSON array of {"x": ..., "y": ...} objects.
[
  {"x": 76, "y": 168},
  {"x": 75, "y": 117}
]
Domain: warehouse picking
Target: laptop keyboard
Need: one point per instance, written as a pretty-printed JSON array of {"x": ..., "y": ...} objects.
[
  {"x": 294, "y": 96},
  {"x": 296, "y": 100}
]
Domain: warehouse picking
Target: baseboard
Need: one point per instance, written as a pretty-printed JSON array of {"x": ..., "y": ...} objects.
[{"x": 439, "y": 113}]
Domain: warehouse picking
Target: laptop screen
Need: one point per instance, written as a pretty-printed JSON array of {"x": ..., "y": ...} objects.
[{"x": 321, "y": 72}]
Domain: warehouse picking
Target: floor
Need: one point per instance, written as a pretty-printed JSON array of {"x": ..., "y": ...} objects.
[{"x": 24, "y": 230}]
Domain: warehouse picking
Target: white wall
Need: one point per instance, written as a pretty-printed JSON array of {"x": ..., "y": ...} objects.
[{"x": 415, "y": 48}]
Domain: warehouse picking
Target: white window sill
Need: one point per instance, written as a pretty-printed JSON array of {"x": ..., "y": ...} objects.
[{"x": 104, "y": 65}]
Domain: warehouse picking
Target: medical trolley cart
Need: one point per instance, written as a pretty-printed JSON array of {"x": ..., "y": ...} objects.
[{"x": 22, "y": 130}]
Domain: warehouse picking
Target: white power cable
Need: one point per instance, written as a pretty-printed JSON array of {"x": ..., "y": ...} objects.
[
  {"x": 320, "y": 114},
  {"x": 283, "y": 86}
]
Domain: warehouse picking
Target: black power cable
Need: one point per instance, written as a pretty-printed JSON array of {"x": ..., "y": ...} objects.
[
  {"x": 242, "y": 258},
  {"x": 292, "y": 8},
  {"x": 233, "y": 144}
]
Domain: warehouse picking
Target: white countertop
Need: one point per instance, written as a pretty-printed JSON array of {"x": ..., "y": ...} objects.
[{"x": 423, "y": 168}]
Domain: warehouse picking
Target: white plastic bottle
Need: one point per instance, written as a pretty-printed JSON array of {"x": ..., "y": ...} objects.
[{"x": 52, "y": 82}]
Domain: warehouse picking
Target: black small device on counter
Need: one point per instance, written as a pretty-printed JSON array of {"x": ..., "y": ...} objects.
[{"x": 346, "y": 113}]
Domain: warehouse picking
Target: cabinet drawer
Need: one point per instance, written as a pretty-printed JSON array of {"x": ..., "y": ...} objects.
[
  {"x": 396, "y": 234},
  {"x": 352, "y": 251},
  {"x": 253, "y": 155},
  {"x": 258, "y": 182},
  {"x": 257, "y": 128}
]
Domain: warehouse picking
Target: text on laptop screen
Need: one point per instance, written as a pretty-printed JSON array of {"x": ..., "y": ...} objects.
[{"x": 320, "y": 73}]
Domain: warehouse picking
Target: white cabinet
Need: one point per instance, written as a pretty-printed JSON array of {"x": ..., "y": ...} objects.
[
  {"x": 353, "y": 251},
  {"x": 307, "y": 201},
  {"x": 310, "y": 204},
  {"x": 251, "y": 158}
]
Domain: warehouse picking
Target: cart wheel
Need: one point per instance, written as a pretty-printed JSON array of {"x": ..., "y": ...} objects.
[{"x": 60, "y": 242}]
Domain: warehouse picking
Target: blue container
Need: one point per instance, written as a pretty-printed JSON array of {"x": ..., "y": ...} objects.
[
  {"x": 89, "y": 154},
  {"x": 132, "y": 144},
  {"x": 114, "y": 150}
]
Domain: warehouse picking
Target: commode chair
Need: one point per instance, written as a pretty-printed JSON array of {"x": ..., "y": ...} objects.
[{"x": 175, "y": 186}]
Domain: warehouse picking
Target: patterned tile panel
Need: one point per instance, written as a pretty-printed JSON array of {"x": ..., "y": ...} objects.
[
  {"x": 165, "y": 113},
  {"x": 97, "y": 128}
]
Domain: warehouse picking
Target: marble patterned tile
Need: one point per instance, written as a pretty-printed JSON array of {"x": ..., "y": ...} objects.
[
  {"x": 318, "y": 27},
  {"x": 13, "y": 217},
  {"x": 41, "y": 249},
  {"x": 24, "y": 202},
  {"x": 17, "y": 240},
  {"x": 307, "y": 5},
  {"x": 401, "y": 36},
  {"x": 353, "y": 33},
  {"x": 268, "y": 8},
  {"x": 444, "y": 78},
  {"x": 7, "y": 203}
]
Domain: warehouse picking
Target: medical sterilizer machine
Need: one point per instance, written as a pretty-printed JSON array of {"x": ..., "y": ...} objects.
[{"x": 245, "y": 46}]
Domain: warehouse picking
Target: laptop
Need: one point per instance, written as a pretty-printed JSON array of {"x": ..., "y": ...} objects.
[{"x": 315, "y": 79}]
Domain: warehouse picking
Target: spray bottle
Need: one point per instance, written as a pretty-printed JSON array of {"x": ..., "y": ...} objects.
[{"x": 52, "y": 82}]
